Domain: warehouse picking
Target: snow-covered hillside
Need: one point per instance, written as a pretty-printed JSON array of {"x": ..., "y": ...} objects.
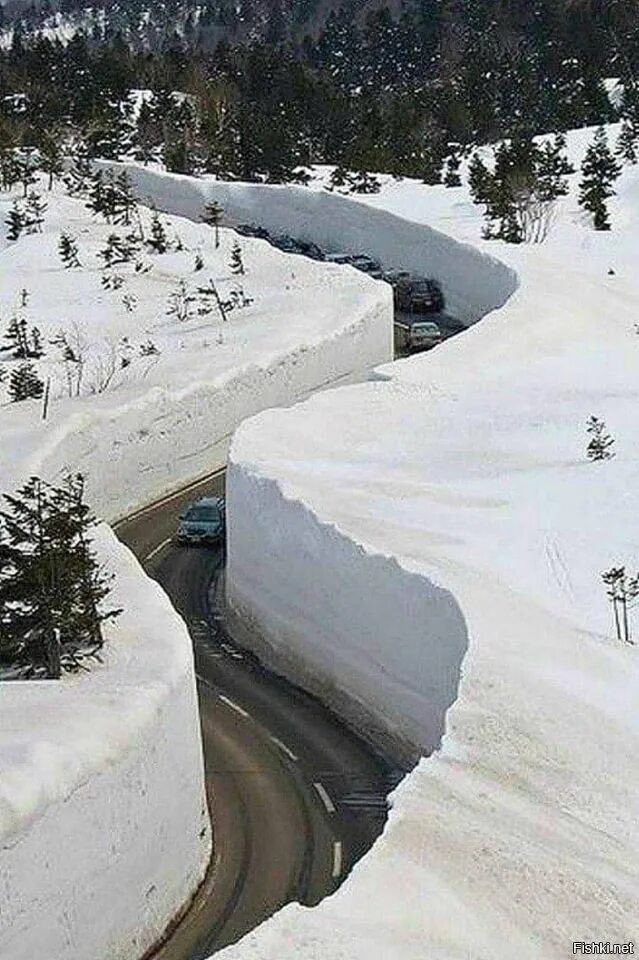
[
  {"x": 452, "y": 504},
  {"x": 162, "y": 378}
]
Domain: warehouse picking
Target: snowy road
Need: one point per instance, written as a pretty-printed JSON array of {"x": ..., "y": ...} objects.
[{"x": 295, "y": 798}]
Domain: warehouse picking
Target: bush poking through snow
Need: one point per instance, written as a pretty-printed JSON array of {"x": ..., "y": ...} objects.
[
  {"x": 622, "y": 592},
  {"x": 237, "y": 264},
  {"x": 52, "y": 589},
  {"x": 601, "y": 443}
]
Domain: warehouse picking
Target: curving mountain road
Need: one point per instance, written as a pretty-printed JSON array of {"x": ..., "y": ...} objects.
[{"x": 295, "y": 798}]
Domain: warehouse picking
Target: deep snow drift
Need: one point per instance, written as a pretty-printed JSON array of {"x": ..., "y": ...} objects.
[{"x": 466, "y": 471}]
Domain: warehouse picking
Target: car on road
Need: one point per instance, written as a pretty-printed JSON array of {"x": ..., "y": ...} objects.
[
  {"x": 414, "y": 333},
  {"x": 419, "y": 295},
  {"x": 203, "y": 521}
]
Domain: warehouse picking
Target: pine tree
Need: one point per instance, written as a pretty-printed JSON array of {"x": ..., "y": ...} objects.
[
  {"x": 480, "y": 180},
  {"x": 213, "y": 216},
  {"x": 25, "y": 384},
  {"x": 599, "y": 172},
  {"x": 124, "y": 199},
  {"x": 103, "y": 195},
  {"x": 601, "y": 443},
  {"x": 9, "y": 172},
  {"x": 15, "y": 221},
  {"x": 552, "y": 168},
  {"x": 35, "y": 347},
  {"x": 78, "y": 178},
  {"x": 27, "y": 167},
  {"x": 68, "y": 250},
  {"x": 237, "y": 264},
  {"x": 52, "y": 589},
  {"x": 157, "y": 241},
  {"x": 451, "y": 174},
  {"x": 51, "y": 158},
  {"x": 17, "y": 338},
  {"x": 628, "y": 142},
  {"x": 34, "y": 213},
  {"x": 117, "y": 250}
]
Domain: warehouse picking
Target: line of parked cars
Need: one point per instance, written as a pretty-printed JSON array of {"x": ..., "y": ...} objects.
[{"x": 415, "y": 297}]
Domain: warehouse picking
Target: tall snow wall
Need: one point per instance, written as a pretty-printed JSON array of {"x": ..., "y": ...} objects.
[
  {"x": 104, "y": 829},
  {"x": 389, "y": 665},
  {"x": 473, "y": 282}
]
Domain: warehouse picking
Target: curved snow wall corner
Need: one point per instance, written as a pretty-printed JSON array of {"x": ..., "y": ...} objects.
[
  {"x": 381, "y": 646},
  {"x": 473, "y": 282},
  {"x": 104, "y": 830}
]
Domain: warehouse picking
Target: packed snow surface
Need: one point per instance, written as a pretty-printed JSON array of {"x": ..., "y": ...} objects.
[{"x": 466, "y": 468}]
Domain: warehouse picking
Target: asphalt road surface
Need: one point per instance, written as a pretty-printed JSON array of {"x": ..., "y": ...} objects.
[{"x": 295, "y": 798}]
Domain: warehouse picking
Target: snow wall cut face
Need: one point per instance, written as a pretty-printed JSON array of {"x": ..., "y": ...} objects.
[
  {"x": 473, "y": 282},
  {"x": 104, "y": 830},
  {"x": 380, "y": 646}
]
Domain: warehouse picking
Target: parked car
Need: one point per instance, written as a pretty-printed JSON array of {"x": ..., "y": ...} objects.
[
  {"x": 367, "y": 265},
  {"x": 419, "y": 295},
  {"x": 251, "y": 230},
  {"x": 395, "y": 277},
  {"x": 413, "y": 333},
  {"x": 311, "y": 250},
  {"x": 339, "y": 258},
  {"x": 203, "y": 521}
]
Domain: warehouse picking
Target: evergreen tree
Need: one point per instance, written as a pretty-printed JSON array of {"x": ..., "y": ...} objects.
[
  {"x": 27, "y": 168},
  {"x": 451, "y": 174},
  {"x": 627, "y": 143},
  {"x": 117, "y": 250},
  {"x": 17, "y": 338},
  {"x": 599, "y": 172},
  {"x": 213, "y": 217},
  {"x": 479, "y": 180},
  {"x": 9, "y": 172},
  {"x": 237, "y": 264},
  {"x": 52, "y": 589},
  {"x": 124, "y": 202},
  {"x": 157, "y": 241},
  {"x": 68, "y": 250},
  {"x": 552, "y": 169},
  {"x": 25, "y": 384},
  {"x": 34, "y": 213},
  {"x": 78, "y": 178},
  {"x": 601, "y": 443},
  {"x": 15, "y": 221},
  {"x": 51, "y": 157}
]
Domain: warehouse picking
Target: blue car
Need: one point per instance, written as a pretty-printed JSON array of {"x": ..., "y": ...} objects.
[{"x": 203, "y": 521}]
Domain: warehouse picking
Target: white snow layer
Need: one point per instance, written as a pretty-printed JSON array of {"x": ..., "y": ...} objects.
[
  {"x": 439, "y": 536},
  {"x": 104, "y": 829},
  {"x": 103, "y": 824}
]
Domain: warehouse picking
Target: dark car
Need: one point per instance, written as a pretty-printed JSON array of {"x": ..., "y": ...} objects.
[
  {"x": 418, "y": 295},
  {"x": 203, "y": 521}
]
